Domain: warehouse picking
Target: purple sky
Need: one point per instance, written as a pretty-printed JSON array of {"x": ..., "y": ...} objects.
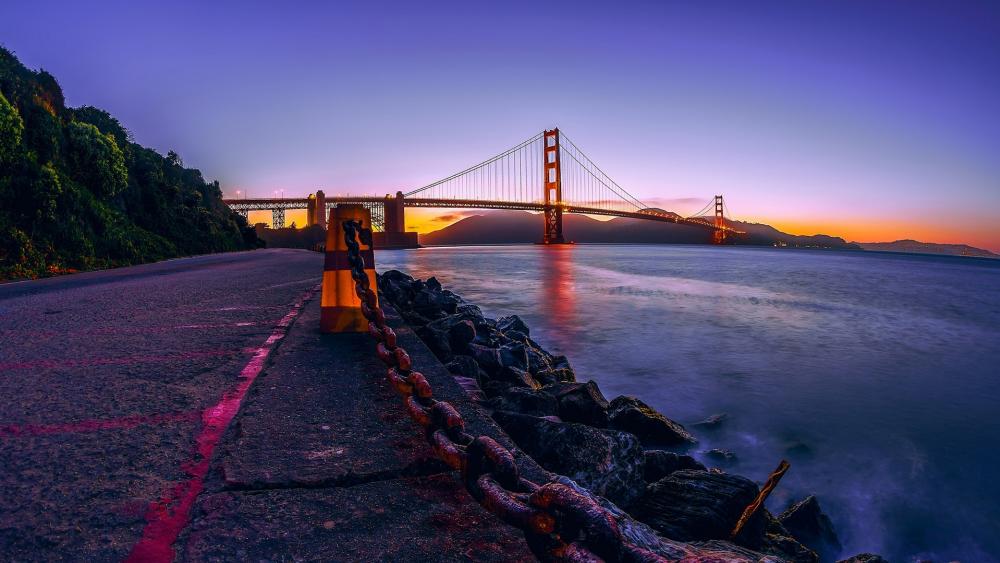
[{"x": 869, "y": 120}]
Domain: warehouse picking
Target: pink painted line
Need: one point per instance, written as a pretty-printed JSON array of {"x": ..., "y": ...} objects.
[
  {"x": 16, "y": 430},
  {"x": 166, "y": 517},
  {"x": 91, "y": 362}
]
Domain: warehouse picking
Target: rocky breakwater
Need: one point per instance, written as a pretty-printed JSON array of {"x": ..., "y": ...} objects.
[{"x": 623, "y": 450}]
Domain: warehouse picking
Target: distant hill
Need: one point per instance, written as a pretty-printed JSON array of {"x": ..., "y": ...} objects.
[
  {"x": 915, "y": 246},
  {"x": 521, "y": 227},
  {"x": 76, "y": 193}
]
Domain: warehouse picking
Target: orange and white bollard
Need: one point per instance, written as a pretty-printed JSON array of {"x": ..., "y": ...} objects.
[{"x": 340, "y": 306}]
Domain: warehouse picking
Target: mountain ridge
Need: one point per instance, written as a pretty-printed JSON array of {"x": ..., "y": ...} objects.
[{"x": 522, "y": 227}]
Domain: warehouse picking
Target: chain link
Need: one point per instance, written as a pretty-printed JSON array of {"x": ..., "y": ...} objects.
[{"x": 559, "y": 523}]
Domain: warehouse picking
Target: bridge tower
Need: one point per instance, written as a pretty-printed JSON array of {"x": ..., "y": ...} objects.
[
  {"x": 552, "y": 182},
  {"x": 395, "y": 217},
  {"x": 719, "y": 235}
]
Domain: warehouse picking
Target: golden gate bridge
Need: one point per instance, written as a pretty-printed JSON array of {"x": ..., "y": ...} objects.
[{"x": 546, "y": 173}]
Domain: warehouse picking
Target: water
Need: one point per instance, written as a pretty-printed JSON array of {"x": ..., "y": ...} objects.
[{"x": 875, "y": 375}]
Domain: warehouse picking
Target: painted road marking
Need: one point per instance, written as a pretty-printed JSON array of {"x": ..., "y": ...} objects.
[{"x": 166, "y": 517}]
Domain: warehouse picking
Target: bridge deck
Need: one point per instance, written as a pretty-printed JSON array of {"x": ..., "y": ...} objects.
[{"x": 264, "y": 204}]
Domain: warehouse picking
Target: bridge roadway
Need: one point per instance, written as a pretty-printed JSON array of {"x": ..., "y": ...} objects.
[{"x": 195, "y": 399}]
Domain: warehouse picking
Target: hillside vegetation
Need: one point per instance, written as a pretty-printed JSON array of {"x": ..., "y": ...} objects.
[{"x": 76, "y": 193}]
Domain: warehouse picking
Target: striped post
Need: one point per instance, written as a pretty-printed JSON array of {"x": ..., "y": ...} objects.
[{"x": 340, "y": 306}]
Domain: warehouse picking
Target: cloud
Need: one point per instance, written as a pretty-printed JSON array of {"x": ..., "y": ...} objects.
[{"x": 455, "y": 216}]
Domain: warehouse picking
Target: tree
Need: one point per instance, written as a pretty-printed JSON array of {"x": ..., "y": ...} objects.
[
  {"x": 11, "y": 131},
  {"x": 97, "y": 160}
]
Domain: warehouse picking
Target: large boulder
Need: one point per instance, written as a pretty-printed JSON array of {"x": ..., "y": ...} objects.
[
  {"x": 537, "y": 359},
  {"x": 629, "y": 414},
  {"x": 581, "y": 402},
  {"x": 779, "y": 542},
  {"x": 461, "y": 334},
  {"x": 690, "y": 505},
  {"x": 514, "y": 354},
  {"x": 436, "y": 338},
  {"x": 807, "y": 523},
  {"x": 487, "y": 358},
  {"x": 511, "y": 323},
  {"x": 607, "y": 462},
  {"x": 526, "y": 401},
  {"x": 554, "y": 375},
  {"x": 465, "y": 366},
  {"x": 658, "y": 464},
  {"x": 516, "y": 377},
  {"x": 644, "y": 537}
]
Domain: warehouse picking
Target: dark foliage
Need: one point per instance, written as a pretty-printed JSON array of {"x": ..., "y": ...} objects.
[{"x": 76, "y": 193}]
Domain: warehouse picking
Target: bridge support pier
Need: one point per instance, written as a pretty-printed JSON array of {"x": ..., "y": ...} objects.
[
  {"x": 552, "y": 183},
  {"x": 321, "y": 211},
  {"x": 311, "y": 211},
  {"x": 278, "y": 218}
]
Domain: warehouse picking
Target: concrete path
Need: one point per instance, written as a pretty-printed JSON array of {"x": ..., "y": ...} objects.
[
  {"x": 324, "y": 464},
  {"x": 191, "y": 409}
]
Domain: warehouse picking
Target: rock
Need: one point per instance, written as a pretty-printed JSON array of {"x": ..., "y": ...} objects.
[
  {"x": 658, "y": 464},
  {"x": 461, "y": 334},
  {"x": 789, "y": 549},
  {"x": 645, "y": 537},
  {"x": 526, "y": 401},
  {"x": 581, "y": 402},
  {"x": 778, "y": 541},
  {"x": 514, "y": 354},
  {"x": 471, "y": 388},
  {"x": 653, "y": 429},
  {"x": 429, "y": 304},
  {"x": 690, "y": 505},
  {"x": 721, "y": 457},
  {"x": 607, "y": 462},
  {"x": 465, "y": 366},
  {"x": 467, "y": 310},
  {"x": 864, "y": 558},
  {"x": 537, "y": 360},
  {"x": 560, "y": 362},
  {"x": 512, "y": 322},
  {"x": 433, "y": 284},
  {"x": 495, "y": 387},
  {"x": 713, "y": 422},
  {"x": 517, "y": 377},
  {"x": 806, "y": 522},
  {"x": 516, "y": 335},
  {"x": 555, "y": 375},
  {"x": 414, "y": 319},
  {"x": 437, "y": 340},
  {"x": 487, "y": 358}
]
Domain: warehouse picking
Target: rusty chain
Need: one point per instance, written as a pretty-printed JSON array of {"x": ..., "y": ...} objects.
[{"x": 559, "y": 523}]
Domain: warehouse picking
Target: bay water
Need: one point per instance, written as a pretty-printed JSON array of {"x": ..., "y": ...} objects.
[{"x": 876, "y": 375}]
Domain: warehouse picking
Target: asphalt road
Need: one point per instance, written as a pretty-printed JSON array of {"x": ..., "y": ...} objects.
[{"x": 110, "y": 383}]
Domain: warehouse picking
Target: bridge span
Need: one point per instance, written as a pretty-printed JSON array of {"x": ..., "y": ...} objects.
[{"x": 547, "y": 174}]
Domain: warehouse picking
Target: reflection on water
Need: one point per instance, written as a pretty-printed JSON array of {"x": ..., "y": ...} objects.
[
  {"x": 876, "y": 375},
  {"x": 558, "y": 300}
]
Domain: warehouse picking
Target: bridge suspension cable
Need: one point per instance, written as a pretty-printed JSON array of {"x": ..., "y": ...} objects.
[
  {"x": 587, "y": 185},
  {"x": 516, "y": 176},
  {"x": 513, "y": 175}
]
